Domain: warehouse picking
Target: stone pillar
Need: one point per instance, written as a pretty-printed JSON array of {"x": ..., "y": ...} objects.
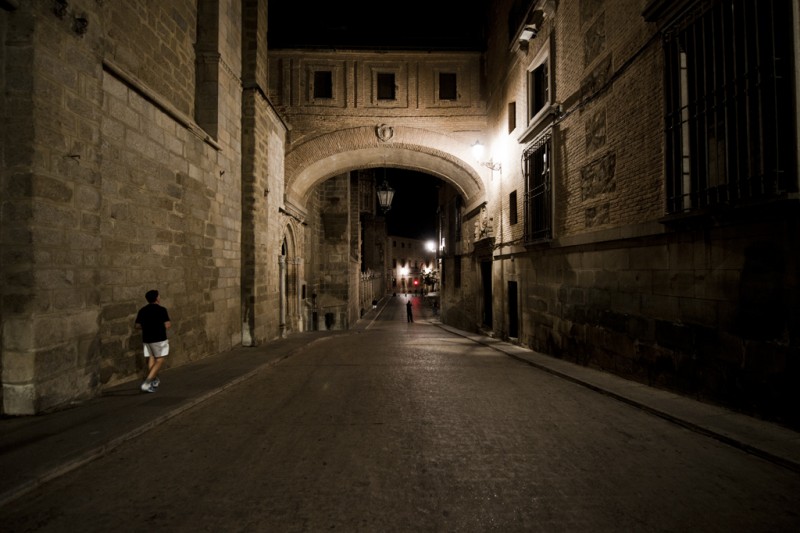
[{"x": 334, "y": 253}]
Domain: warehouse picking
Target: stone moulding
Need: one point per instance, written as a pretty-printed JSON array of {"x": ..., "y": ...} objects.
[{"x": 157, "y": 100}]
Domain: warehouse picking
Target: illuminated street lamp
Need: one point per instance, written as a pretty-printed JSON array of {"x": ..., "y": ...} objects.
[{"x": 385, "y": 195}]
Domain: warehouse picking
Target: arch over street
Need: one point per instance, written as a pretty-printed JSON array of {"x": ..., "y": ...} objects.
[{"x": 440, "y": 155}]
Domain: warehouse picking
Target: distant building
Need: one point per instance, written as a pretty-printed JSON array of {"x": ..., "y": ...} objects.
[{"x": 408, "y": 260}]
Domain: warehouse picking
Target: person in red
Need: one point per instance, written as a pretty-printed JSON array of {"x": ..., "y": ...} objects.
[{"x": 154, "y": 322}]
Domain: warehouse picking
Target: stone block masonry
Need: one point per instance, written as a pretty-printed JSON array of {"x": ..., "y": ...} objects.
[{"x": 111, "y": 188}]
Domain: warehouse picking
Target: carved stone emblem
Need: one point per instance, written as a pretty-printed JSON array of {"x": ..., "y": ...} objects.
[{"x": 384, "y": 132}]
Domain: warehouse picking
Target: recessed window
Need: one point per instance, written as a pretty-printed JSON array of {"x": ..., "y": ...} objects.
[
  {"x": 323, "y": 84},
  {"x": 727, "y": 147},
  {"x": 512, "y": 116},
  {"x": 538, "y": 89},
  {"x": 512, "y": 208},
  {"x": 386, "y": 86},
  {"x": 448, "y": 89}
]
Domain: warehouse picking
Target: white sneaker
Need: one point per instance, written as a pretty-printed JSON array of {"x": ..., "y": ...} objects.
[{"x": 148, "y": 387}]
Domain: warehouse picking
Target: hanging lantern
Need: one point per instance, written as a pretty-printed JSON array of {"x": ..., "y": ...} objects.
[{"x": 385, "y": 195}]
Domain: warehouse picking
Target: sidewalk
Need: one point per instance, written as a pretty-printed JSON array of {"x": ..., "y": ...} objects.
[
  {"x": 766, "y": 440},
  {"x": 36, "y": 449}
]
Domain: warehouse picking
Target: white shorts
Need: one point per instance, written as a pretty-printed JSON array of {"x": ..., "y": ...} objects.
[{"x": 157, "y": 349}]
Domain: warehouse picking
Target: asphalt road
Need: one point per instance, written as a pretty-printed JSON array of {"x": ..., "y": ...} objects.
[{"x": 406, "y": 427}]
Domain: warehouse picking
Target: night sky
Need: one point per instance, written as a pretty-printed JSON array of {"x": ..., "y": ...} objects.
[
  {"x": 410, "y": 24},
  {"x": 413, "y": 212}
]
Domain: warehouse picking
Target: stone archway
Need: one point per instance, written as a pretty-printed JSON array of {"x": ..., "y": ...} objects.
[
  {"x": 444, "y": 156},
  {"x": 329, "y": 214}
]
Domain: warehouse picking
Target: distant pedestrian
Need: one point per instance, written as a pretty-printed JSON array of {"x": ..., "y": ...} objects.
[
  {"x": 153, "y": 320},
  {"x": 409, "y": 315}
]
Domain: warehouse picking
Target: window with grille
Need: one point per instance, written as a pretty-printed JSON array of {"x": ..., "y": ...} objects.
[
  {"x": 538, "y": 201},
  {"x": 730, "y": 124}
]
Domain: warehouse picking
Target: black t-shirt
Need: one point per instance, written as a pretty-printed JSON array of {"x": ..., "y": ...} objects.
[{"x": 152, "y": 318}]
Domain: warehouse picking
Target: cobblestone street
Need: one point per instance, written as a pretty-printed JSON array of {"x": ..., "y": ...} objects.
[{"x": 407, "y": 427}]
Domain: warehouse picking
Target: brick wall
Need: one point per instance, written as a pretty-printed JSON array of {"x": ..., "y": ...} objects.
[{"x": 705, "y": 307}]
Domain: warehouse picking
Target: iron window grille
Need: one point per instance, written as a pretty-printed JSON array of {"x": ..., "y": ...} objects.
[
  {"x": 536, "y": 161},
  {"x": 730, "y": 124}
]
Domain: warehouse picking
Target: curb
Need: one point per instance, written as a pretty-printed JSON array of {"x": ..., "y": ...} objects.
[
  {"x": 757, "y": 451},
  {"x": 99, "y": 451}
]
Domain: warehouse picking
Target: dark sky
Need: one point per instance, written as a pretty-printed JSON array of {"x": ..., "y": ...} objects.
[
  {"x": 407, "y": 24},
  {"x": 413, "y": 212}
]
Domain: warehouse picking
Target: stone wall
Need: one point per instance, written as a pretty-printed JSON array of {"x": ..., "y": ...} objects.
[
  {"x": 330, "y": 269},
  {"x": 114, "y": 189}
]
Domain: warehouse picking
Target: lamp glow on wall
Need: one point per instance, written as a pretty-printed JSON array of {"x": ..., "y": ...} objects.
[{"x": 477, "y": 151}]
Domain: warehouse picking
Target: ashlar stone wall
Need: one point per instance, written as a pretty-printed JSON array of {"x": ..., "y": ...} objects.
[{"x": 111, "y": 187}]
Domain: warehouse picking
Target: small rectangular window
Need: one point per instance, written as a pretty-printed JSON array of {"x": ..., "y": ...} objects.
[
  {"x": 512, "y": 208},
  {"x": 512, "y": 116},
  {"x": 448, "y": 89},
  {"x": 386, "y": 86},
  {"x": 323, "y": 84}
]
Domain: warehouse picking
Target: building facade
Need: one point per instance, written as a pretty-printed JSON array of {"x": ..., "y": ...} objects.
[
  {"x": 642, "y": 217},
  {"x": 139, "y": 151},
  {"x": 634, "y": 208},
  {"x": 410, "y": 263}
]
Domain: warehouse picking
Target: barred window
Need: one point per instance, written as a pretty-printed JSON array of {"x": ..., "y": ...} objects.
[
  {"x": 730, "y": 124},
  {"x": 538, "y": 200}
]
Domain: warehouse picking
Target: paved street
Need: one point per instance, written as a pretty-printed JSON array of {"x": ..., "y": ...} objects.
[{"x": 408, "y": 427}]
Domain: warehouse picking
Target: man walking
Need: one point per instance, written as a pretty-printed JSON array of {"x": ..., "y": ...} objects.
[
  {"x": 153, "y": 320},
  {"x": 409, "y": 315}
]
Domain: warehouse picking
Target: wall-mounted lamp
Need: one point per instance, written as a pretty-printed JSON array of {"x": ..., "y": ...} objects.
[
  {"x": 477, "y": 151},
  {"x": 529, "y": 31}
]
